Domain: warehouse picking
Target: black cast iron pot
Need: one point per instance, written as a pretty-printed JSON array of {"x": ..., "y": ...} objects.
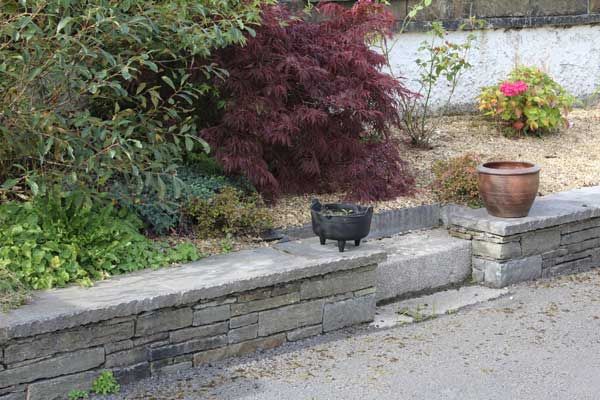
[{"x": 340, "y": 222}]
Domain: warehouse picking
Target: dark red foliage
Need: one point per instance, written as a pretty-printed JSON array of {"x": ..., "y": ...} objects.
[{"x": 308, "y": 108}]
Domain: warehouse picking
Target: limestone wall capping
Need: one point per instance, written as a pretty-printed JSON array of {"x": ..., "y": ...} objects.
[
  {"x": 560, "y": 235},
  {"x": 153, "y": 322}
]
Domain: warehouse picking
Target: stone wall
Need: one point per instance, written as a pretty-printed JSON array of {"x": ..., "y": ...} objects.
[
  {"x": 503, "y": 13},
  {"x": 48, "y": 365},
  {"x": 561, "y": 236}
]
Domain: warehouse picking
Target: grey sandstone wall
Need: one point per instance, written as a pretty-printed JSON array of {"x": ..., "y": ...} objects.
[
  {"x": 504, "y": 13},
  {"x": 561, "y": 235},
  {"x": 503, "y": 260},
  {"x": 48, "y": 365}
]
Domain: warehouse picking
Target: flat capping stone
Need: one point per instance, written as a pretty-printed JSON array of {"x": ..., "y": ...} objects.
[
  {"x": 548, "y": 211},
  {"x": 208, "y": 278}
]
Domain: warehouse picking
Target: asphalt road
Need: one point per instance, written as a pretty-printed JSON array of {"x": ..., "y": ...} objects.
[{"x": 540, "y": 342}]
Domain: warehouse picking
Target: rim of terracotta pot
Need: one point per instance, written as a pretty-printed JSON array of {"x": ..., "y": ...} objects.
[{"x": 508, "y": 168}]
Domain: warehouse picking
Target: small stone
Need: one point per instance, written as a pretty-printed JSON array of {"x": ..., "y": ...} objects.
[
  {"x": 241, "y": 334},
  {"x": 478, "y": 275},
  {"x": 151, "y": 339},
  {"x": 192, "y": 346},
  {"x": 290, "y": 317},
  {"x": 364, "y": 292},
  {"x": 163, "y": 320},
  {"x": 258, "y": 294},
  {"x": 497, "y": 251},
  {"x": 169, "y": 369},
  {"x": 571, "y": 267},
  {"x": 132, "y": 374},
  {"x": 239, "y": 349},
  {"x": 580, "y": 236},
  {"x": 285, "y": 289},
  {"x": 214, "y": 303},
  {"x": 349, "y": 312},
  {"x": 198, "y": 332},
  {"x": 243, "y": 320},
  {"x": 304, "y": 332},
  {"x": 580, "y": 226},
  {"x": 265, "y": 304},
  {"x": 460, "y": 235},
  {"x": 338, "y": 283},
  {"x": 501, "y": 274},
  {"x": 212, "y": 314},
  {"x": 126, "y": 358},
  {"x": 539, "y": 242},
  {"x": 110, "y": 348},
  {"x": 64, "y": 341},
  {"x": 58, "y": 388},
  {"x": 581, "y": 246},
  {"x": 68, "y": 363}
]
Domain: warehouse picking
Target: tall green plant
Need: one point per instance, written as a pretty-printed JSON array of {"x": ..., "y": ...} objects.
[{"x": 91, "y": 90}]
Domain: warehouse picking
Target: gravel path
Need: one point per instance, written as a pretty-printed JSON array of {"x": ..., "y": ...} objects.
[
  {"x": 540, "y": 342},
  {"x": 570, "y": 159}
]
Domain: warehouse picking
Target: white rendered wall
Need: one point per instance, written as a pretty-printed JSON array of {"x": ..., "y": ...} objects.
[{"x": 571, "y": 56}]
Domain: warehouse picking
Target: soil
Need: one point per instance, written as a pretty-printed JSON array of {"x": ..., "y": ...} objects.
[{"x": 569, "y": 159}]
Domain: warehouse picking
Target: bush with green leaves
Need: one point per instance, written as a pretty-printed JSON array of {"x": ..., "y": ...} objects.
[
  {"x": 229, "y": 212},
  {"x": 61, "y": 238},
  {"x": 201, "y": 179},
  {"x": 92, "y": 90},
  {"x": 456, "y": 180},
  {"x": 528, "y": 102}
]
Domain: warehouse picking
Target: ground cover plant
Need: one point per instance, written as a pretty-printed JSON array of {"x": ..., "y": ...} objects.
[
  {"x": 528, "y": 102},
  {"x": 455, "y": 180},
  {"x": 61, "y": 238},
  {"x": 306, "y": 107}
]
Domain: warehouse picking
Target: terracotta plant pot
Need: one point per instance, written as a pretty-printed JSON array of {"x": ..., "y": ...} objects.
[{"x": 508, "y": 188}]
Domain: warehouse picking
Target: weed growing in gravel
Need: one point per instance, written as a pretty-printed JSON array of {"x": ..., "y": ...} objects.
[{"x": 106, "y": 384}]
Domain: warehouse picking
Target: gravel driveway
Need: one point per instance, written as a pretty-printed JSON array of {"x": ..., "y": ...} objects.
[{"x": 540, "y": 342}]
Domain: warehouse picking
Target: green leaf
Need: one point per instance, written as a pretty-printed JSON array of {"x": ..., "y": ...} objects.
[
  {"x": 168, "y": 81},
  {"x": 63, "y": 24}
]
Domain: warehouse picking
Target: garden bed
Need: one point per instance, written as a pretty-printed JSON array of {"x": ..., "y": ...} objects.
[{"x": 567, "y": 158}]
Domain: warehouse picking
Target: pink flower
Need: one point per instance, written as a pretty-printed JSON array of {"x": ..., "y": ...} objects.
[{"x": 511, "y": 89}]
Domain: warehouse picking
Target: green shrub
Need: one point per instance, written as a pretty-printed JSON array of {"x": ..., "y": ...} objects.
[
  {"x": 106, "y": 384},
  {"x": 229, "y": 212},
  {"x": 162, "y": 215},
  {"x": 92, "y": 90},
  {"x": 455, "y": 180},
  {"x": 61, "y": 238},
  {"x": 529, "y": 102}
]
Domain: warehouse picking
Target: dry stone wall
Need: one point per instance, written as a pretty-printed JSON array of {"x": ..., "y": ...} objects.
[
  {"x": 561, "y": 236},
  {"x": 48, "y": 365},
  {"x": 503, "y": 13}
]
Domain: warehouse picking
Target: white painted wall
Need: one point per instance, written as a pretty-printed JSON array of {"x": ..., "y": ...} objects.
[{"x": 571, "y": 56}]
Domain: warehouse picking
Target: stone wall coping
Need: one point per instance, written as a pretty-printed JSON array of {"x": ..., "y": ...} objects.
[
  {"x": 143, "y": 291},
  {"x": 547, "y": 211}
]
